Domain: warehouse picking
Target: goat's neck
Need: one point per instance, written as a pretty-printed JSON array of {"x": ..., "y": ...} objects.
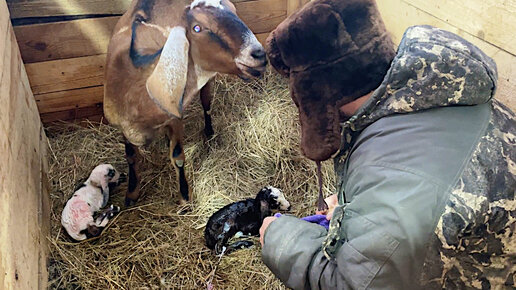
[
  {"x": 197, "y": 78},
  {"x": 264, "y": 211}
]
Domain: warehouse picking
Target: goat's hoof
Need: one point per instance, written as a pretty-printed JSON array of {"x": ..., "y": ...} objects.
[
  {"x": 129, "y": 202},
  {"x": 184, "y": 207}
]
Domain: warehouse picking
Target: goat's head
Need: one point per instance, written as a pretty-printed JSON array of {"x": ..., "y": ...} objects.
[
  {"x": 221, "y": 42},
  {"x": 103, "y": 175},
  {"x": 210, "y": 35},
  {"x": 272, "y": 198}
]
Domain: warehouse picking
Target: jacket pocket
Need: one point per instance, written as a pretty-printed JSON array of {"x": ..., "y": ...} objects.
[{"x": 367, "y": 247}]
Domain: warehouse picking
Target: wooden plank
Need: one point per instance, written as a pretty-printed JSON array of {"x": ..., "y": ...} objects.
[
  {"x": 47, "y": 8},
  {"x": 66, "y": 74},
  {"x": 85, "y": 37},
  {"x": 262, "y": 15},
  {"x": 404, "y": 15},
  {"x": 23, "y": 212},
  {"x": 69, "y": 100},
  {"x": 90, "y": 113},
  {"x": 262, "y": 37},
  {"x": 493, "y": 21},
  {"x": 294, "y": 5},
  {"x": 60, "y": 40}
]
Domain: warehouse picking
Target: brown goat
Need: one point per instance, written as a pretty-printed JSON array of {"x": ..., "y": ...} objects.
[{"x": 162, "y": 54}]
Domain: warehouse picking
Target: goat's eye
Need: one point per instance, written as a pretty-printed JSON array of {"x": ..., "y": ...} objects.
[{"x": 197, "y": 28}]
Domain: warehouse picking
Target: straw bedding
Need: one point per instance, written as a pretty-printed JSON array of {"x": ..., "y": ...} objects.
[{"x": 154, "y": 245}]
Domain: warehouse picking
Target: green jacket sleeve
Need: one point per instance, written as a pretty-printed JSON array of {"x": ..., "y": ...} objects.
[
  {"x": 292, "y": 250},
  {"x": 290, "y": 246}
]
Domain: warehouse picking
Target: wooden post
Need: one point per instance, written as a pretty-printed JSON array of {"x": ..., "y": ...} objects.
[{"x": 24, "y": 204}]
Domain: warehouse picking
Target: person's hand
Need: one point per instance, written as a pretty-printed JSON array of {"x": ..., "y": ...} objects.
[
  {"x": 333, "y": 202},
  {"x": 266, "y": 222}
]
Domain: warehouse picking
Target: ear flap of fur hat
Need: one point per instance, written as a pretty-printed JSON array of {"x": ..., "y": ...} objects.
[{"x": 334, "y": 51}]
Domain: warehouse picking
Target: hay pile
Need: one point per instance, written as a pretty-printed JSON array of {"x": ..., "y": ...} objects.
[{"x": 151, "y": 246}]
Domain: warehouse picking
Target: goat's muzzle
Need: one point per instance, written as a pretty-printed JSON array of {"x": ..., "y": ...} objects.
[{"x": 252, "y": 62}]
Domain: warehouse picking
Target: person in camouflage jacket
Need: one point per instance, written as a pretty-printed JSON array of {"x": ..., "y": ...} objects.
[{"x": 427, "y": 164}]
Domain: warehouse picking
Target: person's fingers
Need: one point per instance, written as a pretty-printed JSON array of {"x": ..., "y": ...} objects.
[
  {"x": 332, "y": 200},
  {"x": 330, "y": 214},
  {"x": 266, "y": 222}
]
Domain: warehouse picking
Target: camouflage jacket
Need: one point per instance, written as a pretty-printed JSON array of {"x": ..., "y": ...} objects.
[{"x": 428, "y": 170}]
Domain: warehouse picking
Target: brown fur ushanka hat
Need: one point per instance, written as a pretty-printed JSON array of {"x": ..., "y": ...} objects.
[{"x": 334, "y": 51}]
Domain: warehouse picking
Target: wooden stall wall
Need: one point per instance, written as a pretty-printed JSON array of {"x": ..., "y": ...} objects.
[
  {"x": 24, "y": 205},
  {"x": 65, "y": 59},
  {"x": 489, "y": 24}
]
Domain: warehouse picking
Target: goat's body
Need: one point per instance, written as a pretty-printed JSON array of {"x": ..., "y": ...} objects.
[
  {"x": 245, "y": 216},
  {"x": 127, "y": 103},
  {"x": 77, "y": 216},
  {"x": 151, "y": 75},
  {"x": 241, "y": 216}
]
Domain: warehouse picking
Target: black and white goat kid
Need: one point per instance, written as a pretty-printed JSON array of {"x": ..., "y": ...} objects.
[{"x": 245, "y": 216}]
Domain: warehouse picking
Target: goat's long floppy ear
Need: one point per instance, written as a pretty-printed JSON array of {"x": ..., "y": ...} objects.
[
  {"x": 166, "y": 84},
  {"x": 104, "y": 186}
]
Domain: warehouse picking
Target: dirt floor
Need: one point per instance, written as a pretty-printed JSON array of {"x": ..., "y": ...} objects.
[{"x": 152, "y": 245}]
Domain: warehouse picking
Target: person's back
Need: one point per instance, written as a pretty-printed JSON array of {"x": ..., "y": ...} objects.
[{"x": 415, "y": 197}]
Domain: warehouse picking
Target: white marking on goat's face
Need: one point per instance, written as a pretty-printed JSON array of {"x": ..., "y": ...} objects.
[
  {"x": 280, "y": 198},
  {"x": 212, "y": 3},
  {"x": 251, "y": 60}
]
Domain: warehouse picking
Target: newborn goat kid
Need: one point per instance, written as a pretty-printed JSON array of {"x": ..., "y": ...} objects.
[
  {"x": 90, "y": 197},
  {"x": 245, "y": 216}
]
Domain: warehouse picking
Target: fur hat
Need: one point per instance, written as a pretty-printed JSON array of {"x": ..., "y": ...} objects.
[{"x": 334, "y": 51}]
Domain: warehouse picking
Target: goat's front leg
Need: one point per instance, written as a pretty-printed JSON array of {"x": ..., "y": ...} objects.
[
  {"x": 105, "y": 215},
  {"x": 206, "y": 97},
  {"x": 133, "y": 156},
  {"x": 94, "y": 229},
  {"x": 177, "y": 157}
]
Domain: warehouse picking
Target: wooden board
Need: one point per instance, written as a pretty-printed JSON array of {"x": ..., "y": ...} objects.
[
  {"x": 262, "y": 15},
  {"x": 24, "y": 211},
  {"x": 85, "y": 37},
  {"x": 69, "y": 99},
  {"x": 493, "y": 21},
  {"x": 45, "y": 8},
  {"x": 66, "y": 74},
  {"x": 398, "y": 15},
  {"x": 80, "y": 114},
  {"x": 60, "y": 40},
  {"x": 294, "y": 5}
]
